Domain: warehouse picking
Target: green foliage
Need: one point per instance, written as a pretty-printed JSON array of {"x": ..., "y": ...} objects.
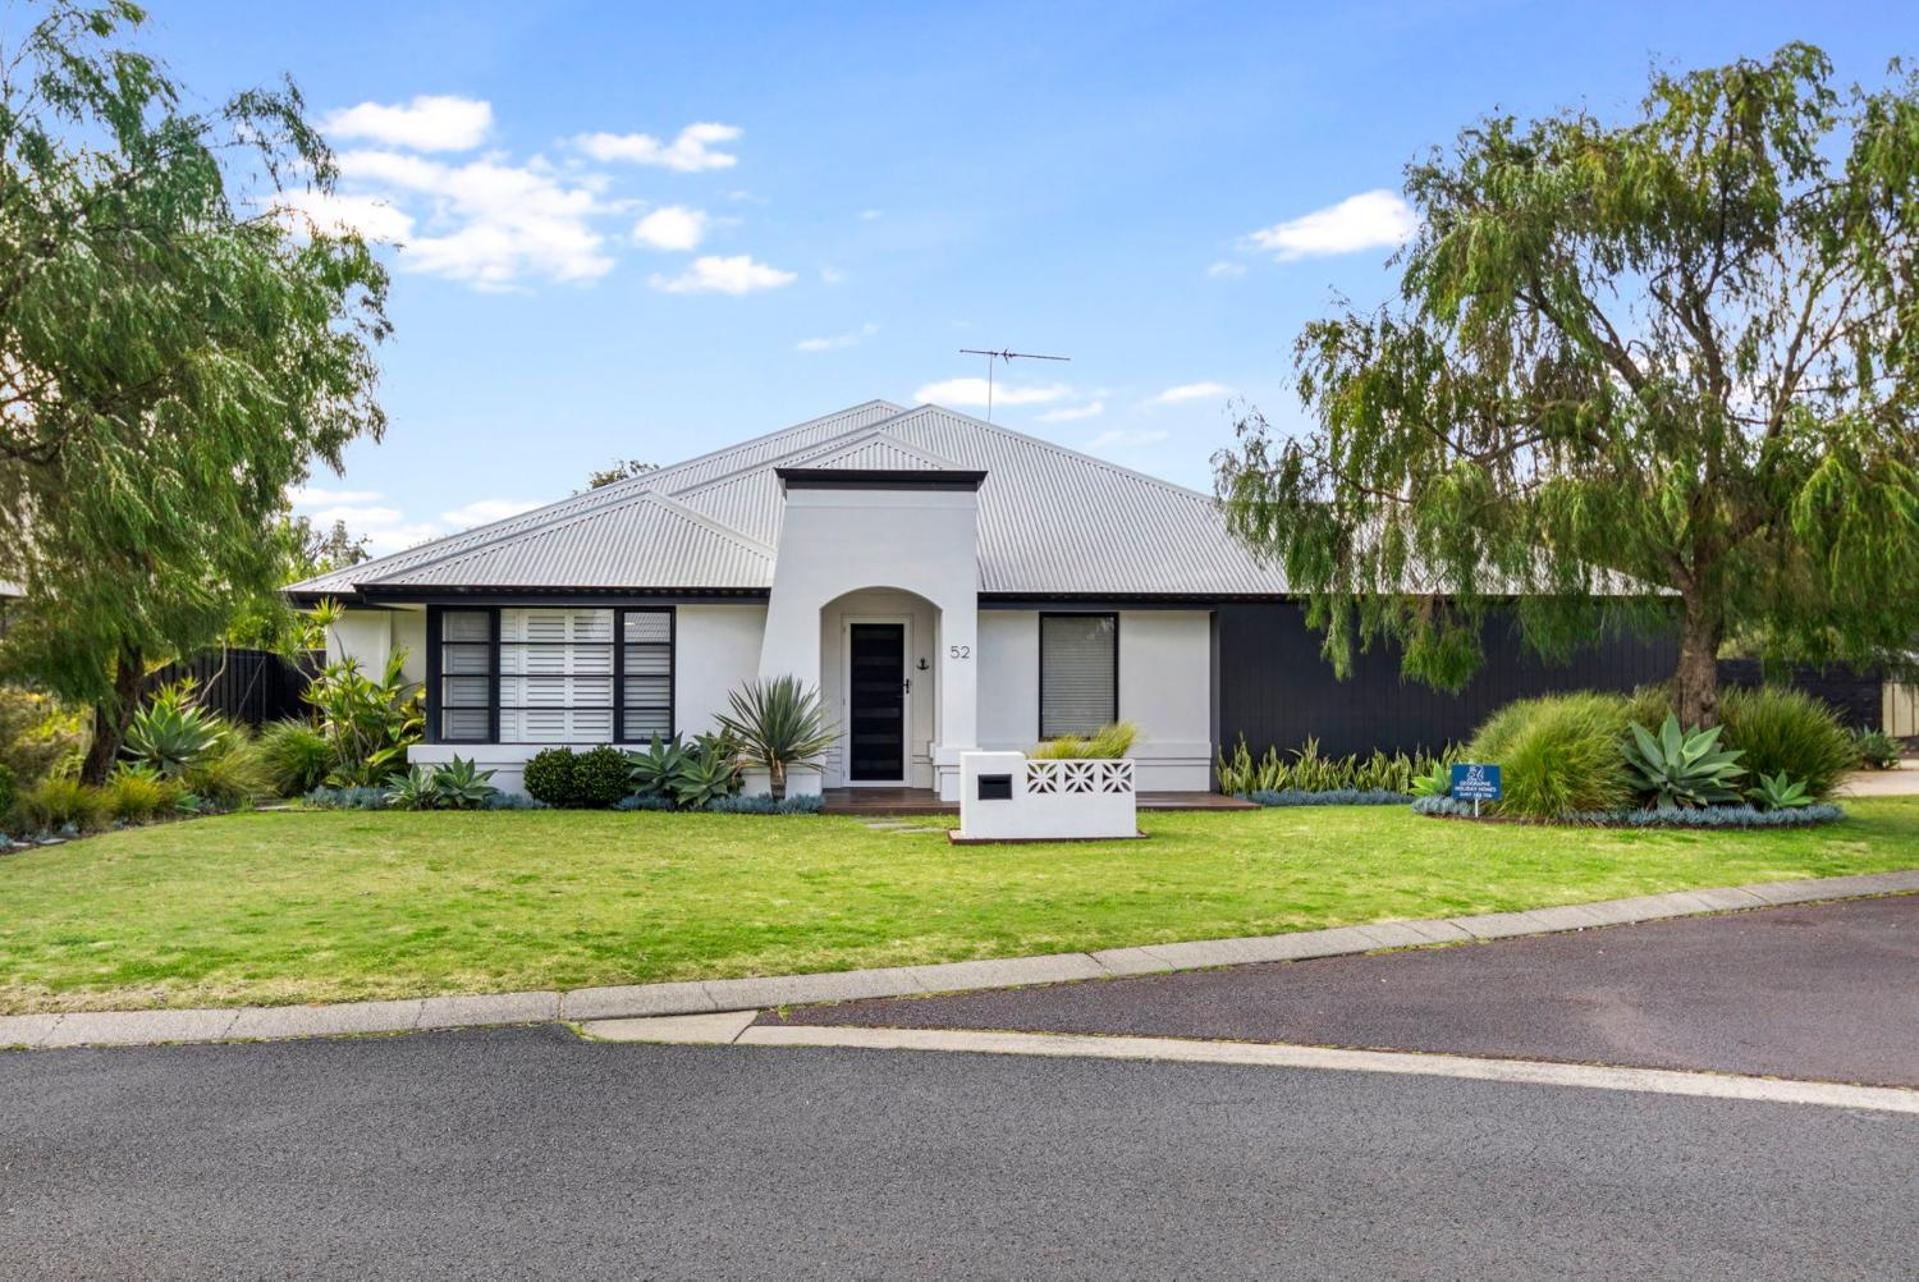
[
  {"x": 1109, "y": 742},
  {"x": 298, "y": 756},
  {"x": 1558, "y": 755},
  {"x": 368, "y": 724},
  {"x": 417, "y": 789},
  {"x": 1876, "y": 749},
  {"x": 1779, "y": 792},
  {"x": 1785, "y": 731},
  {"x": 56, "y": 803},
  {"x": 232, "y": 775},
  {"x": 9, "y": 792},
  {"x": 549, "y": 776},
  {"x": 650, "y": 773},
  {"x": 1307, "y": 770},
  {"x": 464, "y": 786},
  {"x": 138, "y": 794},
  {"x": 1685, "y": 768},
  {"x": 172, "y": 732},
  {"x": 599, "y": 778},
  {"x": 705, "y": 777},
  {"x": 1678, "y": 351},
  {"x": 1437, "y": 782},
  {"x": 38, "y": 736},
  {"x": 779, "y": 723},
  {"x": 180, "y": 349}
]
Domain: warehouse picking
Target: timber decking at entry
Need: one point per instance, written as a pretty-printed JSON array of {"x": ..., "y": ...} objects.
[{"x": 924, "y": 801}]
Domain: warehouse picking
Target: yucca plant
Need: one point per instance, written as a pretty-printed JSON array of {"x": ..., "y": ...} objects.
[
  {"x": 1685, "y": 768},
  {"x": 1778, "y": 792},
  {"x": 779, "y": 723}
]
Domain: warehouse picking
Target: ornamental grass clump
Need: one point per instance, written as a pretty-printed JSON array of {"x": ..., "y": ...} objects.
[
  {"x": 1108, "y": 743},
  {"x": 1559, "y": 755}
]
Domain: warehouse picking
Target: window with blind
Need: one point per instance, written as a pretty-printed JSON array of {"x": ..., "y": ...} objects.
[
  {"x": 554, "y": 675},
  {"x": 1078, "y": 673}
]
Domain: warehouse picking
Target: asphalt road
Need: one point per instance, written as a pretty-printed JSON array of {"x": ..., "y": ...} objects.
[
  {"x": 525, "y": 1151},
  {"x": 1828, "y": 992}
]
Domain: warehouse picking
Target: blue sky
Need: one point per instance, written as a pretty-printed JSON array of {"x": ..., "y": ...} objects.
[{"x": 646, "y": 231}]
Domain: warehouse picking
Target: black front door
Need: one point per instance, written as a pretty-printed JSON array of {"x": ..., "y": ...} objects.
[{"x": 876, "y": 702}]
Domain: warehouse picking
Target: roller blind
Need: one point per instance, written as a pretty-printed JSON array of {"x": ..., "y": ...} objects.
[{"x": 1078, "y": 673}]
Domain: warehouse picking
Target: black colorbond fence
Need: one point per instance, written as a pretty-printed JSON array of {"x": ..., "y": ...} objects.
[
  {"x": 1857, "y": 697},
  {"x": 254, "y": 686},
  {"x": 1276, "y": 689}
]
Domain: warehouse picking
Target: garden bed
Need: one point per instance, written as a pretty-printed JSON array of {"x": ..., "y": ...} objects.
[{"x": 1708, "y": 817}]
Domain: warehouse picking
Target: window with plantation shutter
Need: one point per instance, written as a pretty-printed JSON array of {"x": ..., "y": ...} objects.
[
  {"x": 1078, "y": 673},
  {"x": 564, "y": 675}
]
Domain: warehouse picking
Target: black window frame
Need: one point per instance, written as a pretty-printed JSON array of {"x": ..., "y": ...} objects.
[
  {"x": 436, "y": 676},
  {"x": 1039, "y": 655}
]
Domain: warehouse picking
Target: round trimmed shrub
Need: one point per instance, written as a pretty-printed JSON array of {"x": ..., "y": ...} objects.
[
  {"x": 1558, "y": 755},
  {"x": 550, "y": 776},
  {"x": 1779, "y": 728},
  {"x": 600, "y": 778}
]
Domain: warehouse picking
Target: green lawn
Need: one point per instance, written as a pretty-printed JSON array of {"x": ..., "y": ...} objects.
[{"x": 288, "y": 907}]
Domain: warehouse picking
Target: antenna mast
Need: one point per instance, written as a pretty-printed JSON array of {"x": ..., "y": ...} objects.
[{"x": 1009, "y": 357}]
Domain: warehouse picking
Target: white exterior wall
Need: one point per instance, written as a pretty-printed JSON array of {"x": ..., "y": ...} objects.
[
  {"x": 409, "y": 634},
  {"x": 916, "y": 540},
  {"x": 1165, "y": 688},
  {"x": 715, "y": 649},
  {"x": 366, "y": 635}
]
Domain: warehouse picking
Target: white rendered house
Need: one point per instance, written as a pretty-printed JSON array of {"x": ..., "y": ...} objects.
[{"x": 948, "y": 584}]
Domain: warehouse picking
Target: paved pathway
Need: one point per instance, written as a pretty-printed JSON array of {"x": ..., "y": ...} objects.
[
  {"x": 529, "y": 1152},
  {"x": 1901, "y": 781},
  {"x": 1826, "y": 992}
]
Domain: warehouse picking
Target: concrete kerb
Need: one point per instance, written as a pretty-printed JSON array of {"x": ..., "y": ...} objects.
[{"x": 258, "y": 1023}]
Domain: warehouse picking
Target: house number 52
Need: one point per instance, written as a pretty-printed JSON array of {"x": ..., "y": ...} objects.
[{"x": 960, "y": 651}]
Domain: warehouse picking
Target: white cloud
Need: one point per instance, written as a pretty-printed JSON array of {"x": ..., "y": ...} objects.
[
  {"x": 1126, "y": 438},
  {"x": 711, "y": 274},
  {"x": 870, "y": 215},
  {"x": 1223, "y": 269},
  {"x": 1376, "y": 219},
  {"x": 835, "y": 342},
  {"x": 1192, "y": 392},
  {"x": 1072, "y": 413},
  {"x": 489, "y": 222},
  {"x": 972, "y": 391},
  {"x": 691, "y": 152},
  {"x": 671, "y": 227},
  {"x": 333, "y": 214},
  {"x": 385, "y": 526},
  {"x": 430, "y": 122},
  {"x": 482, "y": 511}
]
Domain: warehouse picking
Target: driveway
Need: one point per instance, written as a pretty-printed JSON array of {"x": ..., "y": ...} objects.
[
  {"x": 1828, "y": 992},
  {"x": 527, "y": 1152}
]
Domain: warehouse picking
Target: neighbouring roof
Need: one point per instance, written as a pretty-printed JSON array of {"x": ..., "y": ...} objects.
[{"x": 1052, "y": 522}]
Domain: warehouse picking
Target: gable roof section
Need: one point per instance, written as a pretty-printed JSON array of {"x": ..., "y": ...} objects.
[
  {"x": 1052, "y": 522},
  {"x": 394, "y": 568}
]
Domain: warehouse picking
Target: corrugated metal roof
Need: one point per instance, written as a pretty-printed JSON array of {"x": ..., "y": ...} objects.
[
  {"x": 813, "y": 432},
  {"x": 1052, "y": 521}
]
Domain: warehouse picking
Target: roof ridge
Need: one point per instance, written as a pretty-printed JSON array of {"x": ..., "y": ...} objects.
[
  {"x": 848, "y": 437},
  {"x": 881, "y": 432},
  {"x": 1183, "y": 491},
  {"x": 597, "y": 500}
]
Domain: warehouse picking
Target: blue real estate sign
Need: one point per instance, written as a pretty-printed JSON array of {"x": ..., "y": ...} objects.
[{"x": 1475, "y": 783}]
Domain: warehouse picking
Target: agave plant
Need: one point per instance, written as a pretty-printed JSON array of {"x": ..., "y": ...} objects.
[
  {"x": 461, "y": 785},
  {"x": 704, "y": 777},
  {"x": 173, "y": 732},
  {"x": 779, "y": 723},
  {"x": 1437, "y": 782},
  {"x": 1684, "y": 768},
  {"x": 417, "y": 789},
  {"x": 651, "y": 772},
  {"x": 1777, "y": 792}
]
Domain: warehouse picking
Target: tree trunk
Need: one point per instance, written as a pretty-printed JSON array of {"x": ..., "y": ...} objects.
[
  {"x": 110, "y": 719},
  {"x": 776, "y": 779},
  {"x": 1695, "y": 682}
]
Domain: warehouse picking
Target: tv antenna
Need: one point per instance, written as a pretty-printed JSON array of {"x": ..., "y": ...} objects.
[{"x": 1007, "y": 356}]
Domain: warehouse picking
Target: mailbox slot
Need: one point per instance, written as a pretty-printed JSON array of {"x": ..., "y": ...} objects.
[{"x": 995, "y": 787}]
